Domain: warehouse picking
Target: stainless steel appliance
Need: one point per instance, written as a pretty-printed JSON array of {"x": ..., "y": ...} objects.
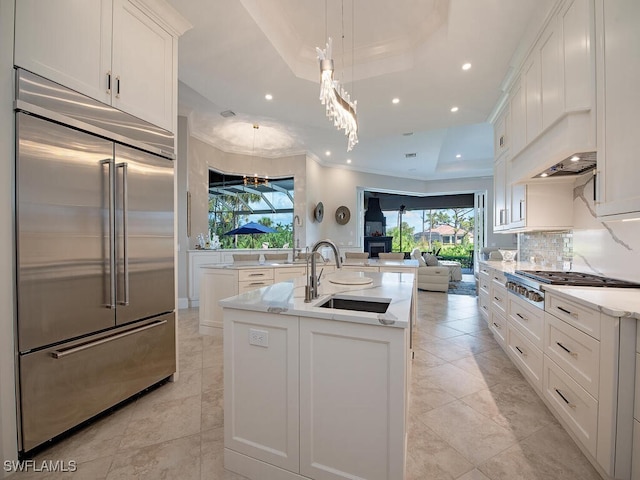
[
  {"x": 528, "y": 284},
  {"x": 95, "y": 257}
]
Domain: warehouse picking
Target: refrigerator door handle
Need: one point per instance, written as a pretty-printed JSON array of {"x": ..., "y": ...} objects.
[
  {"x": 84, "y": 346},
  {"x": 125, "y": 237},
  {"x": 111, "y": 303}
]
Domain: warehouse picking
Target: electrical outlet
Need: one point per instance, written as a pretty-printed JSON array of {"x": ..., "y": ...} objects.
[{"x": 258, "y": 337}]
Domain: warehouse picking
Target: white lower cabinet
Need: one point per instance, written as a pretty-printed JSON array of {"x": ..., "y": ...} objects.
[
  {"x": 498, "y": 326},
  {"x": 572, "y": 403},
  {"x": 526, "y": 355},
  {"x": 311, "y": 398}
]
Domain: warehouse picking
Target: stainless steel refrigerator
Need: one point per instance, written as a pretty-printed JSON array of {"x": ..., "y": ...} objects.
[{"x": 95, "y": 257}]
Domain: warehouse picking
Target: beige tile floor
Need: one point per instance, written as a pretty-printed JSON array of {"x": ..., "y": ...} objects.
[{"x": 472, "y": 415}]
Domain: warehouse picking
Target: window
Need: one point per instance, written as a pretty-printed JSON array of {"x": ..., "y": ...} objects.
[{"x": 236, "y": 200}]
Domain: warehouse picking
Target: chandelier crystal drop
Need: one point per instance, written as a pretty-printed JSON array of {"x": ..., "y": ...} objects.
[{"x": 339, "y": 107}]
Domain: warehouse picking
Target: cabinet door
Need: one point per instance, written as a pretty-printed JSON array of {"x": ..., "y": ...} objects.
[
  {"x": 531, "y": 75},
  {"x": 501, "y": 134},
  {"x": 261, "y": 386},
  {"x": 499, "y": 195},
  {"x": 618, "y": 106},
  {"x": 518, "y": 207},
  {"x": 518, "y": 119},
  {"x": 551, "y": 91},
  {"x": 142, "y": 66},
  {"x": 352, "y": 400},
  {"x": 66, "y": 41}
]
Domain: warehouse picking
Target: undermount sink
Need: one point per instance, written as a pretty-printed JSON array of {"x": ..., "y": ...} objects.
[{"x": 343, "y": 302}]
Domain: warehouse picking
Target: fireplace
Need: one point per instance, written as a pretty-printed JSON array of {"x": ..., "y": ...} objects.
[{"x": 377, "y": 245}]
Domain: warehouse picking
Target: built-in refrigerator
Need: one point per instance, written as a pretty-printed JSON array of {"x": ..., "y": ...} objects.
[{"x": 94, "y": 244}]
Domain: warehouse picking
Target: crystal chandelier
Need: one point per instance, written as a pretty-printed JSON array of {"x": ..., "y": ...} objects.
[
  {"x": 339, "y": 107},
  {"x": 255, "y": 180}
]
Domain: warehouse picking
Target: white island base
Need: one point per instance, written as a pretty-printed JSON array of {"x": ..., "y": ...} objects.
[{"x": 315, "y": 398}]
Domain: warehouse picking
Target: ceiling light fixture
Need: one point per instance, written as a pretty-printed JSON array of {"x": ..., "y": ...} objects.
[
  {"x": 458, "y": 156},
  {"x": 395, "y": 101},
  {"x": 255, "y": 181},
  {"x": 575, "y": 158},
  {"x": 328, "y": 153},
  {"x": 268, "y": 96},
  {"x": 454, "y": 109},
  {"x": 339, "y": 107},
  {"x": 466, "y": 66},
  {"x": 348, "y": 160}
]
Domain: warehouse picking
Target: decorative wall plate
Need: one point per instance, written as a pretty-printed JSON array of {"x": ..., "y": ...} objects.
[
  {"x": 343, "y": 215},
  {"x": 318, "y": 212}
]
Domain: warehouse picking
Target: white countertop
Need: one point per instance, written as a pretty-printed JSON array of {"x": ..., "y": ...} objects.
[
  {"x": 368, "y": 263},
  {"x": 287, "y": 298},
  {"x": 617, "y": 302}
]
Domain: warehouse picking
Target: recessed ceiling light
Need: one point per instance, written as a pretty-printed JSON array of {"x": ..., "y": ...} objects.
[
  {"x": 395, "y": 101},
  {"x": 458, "y": 156},
  {"x": 328, "y": 153},
  {"x": 466, "y": 66},
  {"x": 454, "y": 109},
  {"x": 575, "y": 158},
  {"x": 268, "y": 96},
  {"x": 348, "y": 160},
  {"x": 544, "y": 175}
]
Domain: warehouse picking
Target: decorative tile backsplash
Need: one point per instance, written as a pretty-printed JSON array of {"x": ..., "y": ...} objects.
[
  {"x": 553, "y": 249},
  {"x": 608, "y": 248}
]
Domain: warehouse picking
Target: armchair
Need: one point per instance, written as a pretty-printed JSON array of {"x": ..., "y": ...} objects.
[{"x": 432, "y": 278}]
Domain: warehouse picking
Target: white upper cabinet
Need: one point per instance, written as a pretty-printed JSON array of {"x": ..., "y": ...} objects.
[
  {"x": 110, "y": 50},
  {"x": 66, "y": 41},
  {"x": 500, "y": 219},
  {"x": 552, "y": 99},
  {"x": 501, "y": 135},
  {"x": 618, "y": 69}
]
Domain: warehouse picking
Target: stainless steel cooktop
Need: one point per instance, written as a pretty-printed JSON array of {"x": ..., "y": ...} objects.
[{"x": 575, "y": 279}]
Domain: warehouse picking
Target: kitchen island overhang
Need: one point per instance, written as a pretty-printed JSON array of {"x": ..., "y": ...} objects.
[{"x": 311, "y": 390}]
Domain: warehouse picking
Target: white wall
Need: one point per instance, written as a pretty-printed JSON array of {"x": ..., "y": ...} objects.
[
  {"x": 181, "y": 172},
  {"x": 8, "y": 440}
]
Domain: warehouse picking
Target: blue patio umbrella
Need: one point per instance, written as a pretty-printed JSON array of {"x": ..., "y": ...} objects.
[{"x": 251, "y": 228}]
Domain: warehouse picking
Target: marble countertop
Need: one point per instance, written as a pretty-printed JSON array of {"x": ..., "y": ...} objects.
[
  {"x": 368, "y": 263},
  {"x": 287, "y": 298},
  {"x": 617, "y": 302}
]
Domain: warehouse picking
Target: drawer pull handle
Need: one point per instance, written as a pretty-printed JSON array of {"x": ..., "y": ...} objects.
[
  {"x": 496, "y": 325},
  {"x": 257, "y": 283},
  {"x": 256, "y": 274},
  {"x": 521, "y": 351},
  {"x": 111, "y": 338},
  {"x": 574, "y": 315},
  {"x": 485, "y": 307},
  {"x": 522, "y": 317},
  {"x": 498, "y": 299},
  {"x": 573, "y": 354},
  {"x": 571, "y": 405}
]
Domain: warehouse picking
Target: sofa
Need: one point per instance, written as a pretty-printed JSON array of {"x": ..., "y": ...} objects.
[{"x": 434, "y": 278}]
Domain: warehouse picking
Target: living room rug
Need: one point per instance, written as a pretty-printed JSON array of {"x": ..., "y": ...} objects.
[{"x": 462, "y": 288}]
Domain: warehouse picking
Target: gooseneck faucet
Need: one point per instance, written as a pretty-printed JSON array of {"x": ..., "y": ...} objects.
[{"x": 312, "y": 279}]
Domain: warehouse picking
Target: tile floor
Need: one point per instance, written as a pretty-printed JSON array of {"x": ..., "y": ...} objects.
[{"x": 472, "y": 415}]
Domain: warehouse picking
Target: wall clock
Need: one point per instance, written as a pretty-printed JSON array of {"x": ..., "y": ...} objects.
[
  {"x": 318, "y": 212},
  {"x": 343, "y": 215}
]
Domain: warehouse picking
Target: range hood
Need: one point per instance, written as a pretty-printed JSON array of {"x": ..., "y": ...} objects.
[{"x": 576, "y": 164}]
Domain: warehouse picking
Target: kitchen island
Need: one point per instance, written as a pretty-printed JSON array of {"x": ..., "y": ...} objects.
[{"x": 317, "y": 392}]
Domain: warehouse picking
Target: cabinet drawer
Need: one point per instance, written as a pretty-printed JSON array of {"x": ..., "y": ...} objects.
[
  {"x": 575, "y": 352},
  {"x": 257, "y": 274},
  {"x": 497, "y": 277},
  {"x": 287, "y": 273},
  {"x": 244, "y": 287},
  {"x": 484, "y": 305},
  {"x": 530, "y": 320},
  {"x": 572, "y": 403},
  {"x": 485, "y": 272},
  {"x": 582, "y": 318},
  {"x": 499, "y": 300},
  {"x": 526, "y": 355},
  {"x": 498, "y": 326},
  {"x": 483, "y": 283}
]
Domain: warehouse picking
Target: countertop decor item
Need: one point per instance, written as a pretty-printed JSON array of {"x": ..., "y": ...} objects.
[
  {"x": 318, "y": 212},
  {"x": 343, "y": 215}
]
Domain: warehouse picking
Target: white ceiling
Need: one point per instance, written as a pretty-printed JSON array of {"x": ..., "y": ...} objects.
[{"x": 410, "y": 49}]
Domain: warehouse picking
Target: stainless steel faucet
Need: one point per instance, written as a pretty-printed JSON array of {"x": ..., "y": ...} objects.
[
  {"x": 311, "y": 290},
  {"x": 296, "y": 222}
]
